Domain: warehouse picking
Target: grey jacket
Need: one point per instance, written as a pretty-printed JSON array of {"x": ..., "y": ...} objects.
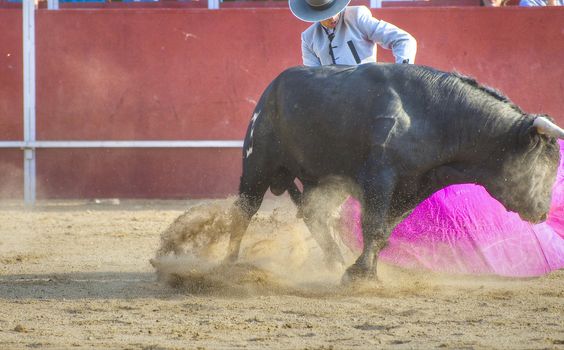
[{"x": 356, "y": 34}]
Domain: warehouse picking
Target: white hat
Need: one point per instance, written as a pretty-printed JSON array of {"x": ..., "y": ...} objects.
[{"x": 316, "y": 10}]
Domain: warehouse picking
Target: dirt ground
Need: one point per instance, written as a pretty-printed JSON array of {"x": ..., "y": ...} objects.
[{"x": 77, "y": 275}]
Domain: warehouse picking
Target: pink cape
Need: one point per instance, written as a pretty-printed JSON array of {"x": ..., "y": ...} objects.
[{"x": 461, "y": 229}]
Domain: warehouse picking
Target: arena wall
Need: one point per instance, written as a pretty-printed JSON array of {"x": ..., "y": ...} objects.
[{"x": 196, "y": 74}]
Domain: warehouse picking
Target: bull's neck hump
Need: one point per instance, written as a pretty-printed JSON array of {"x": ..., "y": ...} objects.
[{"x": 487, "y": 125}]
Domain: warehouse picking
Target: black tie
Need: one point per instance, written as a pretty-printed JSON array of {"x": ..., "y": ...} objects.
[{"x": 331, "y": 36}]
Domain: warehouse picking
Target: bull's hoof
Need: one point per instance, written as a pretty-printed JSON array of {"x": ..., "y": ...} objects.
[{"x": 356, "y": 273}]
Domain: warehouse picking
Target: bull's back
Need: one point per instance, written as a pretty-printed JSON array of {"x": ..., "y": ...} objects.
[{"x": 328, "y": 117}]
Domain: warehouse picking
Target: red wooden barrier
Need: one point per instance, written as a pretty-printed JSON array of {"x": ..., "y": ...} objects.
[
  {"x": 134, "y": 173},
  {"x": 185, "y": 74},
  {"x": 11, "y": 173},
  {"x": 11, "y": 73}
]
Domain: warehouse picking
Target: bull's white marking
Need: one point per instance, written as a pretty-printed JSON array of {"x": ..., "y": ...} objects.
[
  {"x": 255, "y": 116},
  {"x": 249, "y": 150}
]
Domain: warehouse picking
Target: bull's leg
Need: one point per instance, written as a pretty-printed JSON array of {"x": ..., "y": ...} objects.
[
  {"x": 375, "y": 229},
  {"x": 315, "y": 215},
  {"x": 250, "y": 198},
  {"x": 297, "y": 199}
]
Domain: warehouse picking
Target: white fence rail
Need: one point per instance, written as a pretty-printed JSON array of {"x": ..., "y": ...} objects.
[
  {"x": 212, "y": 4},
  {"x": 124, "y": 144}
]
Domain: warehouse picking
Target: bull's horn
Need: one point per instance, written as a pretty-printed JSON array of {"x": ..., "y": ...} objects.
[{"x": 545, "y": 126}]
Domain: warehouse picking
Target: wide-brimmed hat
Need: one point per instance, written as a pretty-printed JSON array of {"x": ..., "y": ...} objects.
[{"x": 316, "y": 10}]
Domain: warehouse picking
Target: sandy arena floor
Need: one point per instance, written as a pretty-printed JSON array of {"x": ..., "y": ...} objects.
[{"x": 77, "y": 275}]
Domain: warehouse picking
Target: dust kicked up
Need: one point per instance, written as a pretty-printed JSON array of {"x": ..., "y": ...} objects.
[{"x": 278, "y": 253}]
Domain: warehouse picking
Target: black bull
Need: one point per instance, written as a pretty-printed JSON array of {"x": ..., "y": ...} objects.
[{"x": 400, "y": 133}]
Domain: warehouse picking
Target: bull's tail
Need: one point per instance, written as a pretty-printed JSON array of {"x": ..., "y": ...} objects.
[{"x": 257, "y": 173}]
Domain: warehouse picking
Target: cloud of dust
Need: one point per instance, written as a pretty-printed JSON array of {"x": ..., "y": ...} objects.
[{"x": 278, "y": 254}]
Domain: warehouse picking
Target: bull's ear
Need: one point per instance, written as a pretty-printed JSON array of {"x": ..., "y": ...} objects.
[
  {"x": 529, "y": 134},
  {"x": 543, "y": 125}
]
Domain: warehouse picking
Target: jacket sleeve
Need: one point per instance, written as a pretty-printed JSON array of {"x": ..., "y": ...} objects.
[
  {"x": 402, "y": 44},
  {"x": 308, "y": 56}
]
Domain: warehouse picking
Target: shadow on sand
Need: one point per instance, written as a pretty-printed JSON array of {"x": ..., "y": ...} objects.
[{"x": 84, "y": 285}]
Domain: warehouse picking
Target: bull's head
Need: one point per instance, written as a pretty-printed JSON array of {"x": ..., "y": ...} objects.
[{"x": 524, "y": 181}]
